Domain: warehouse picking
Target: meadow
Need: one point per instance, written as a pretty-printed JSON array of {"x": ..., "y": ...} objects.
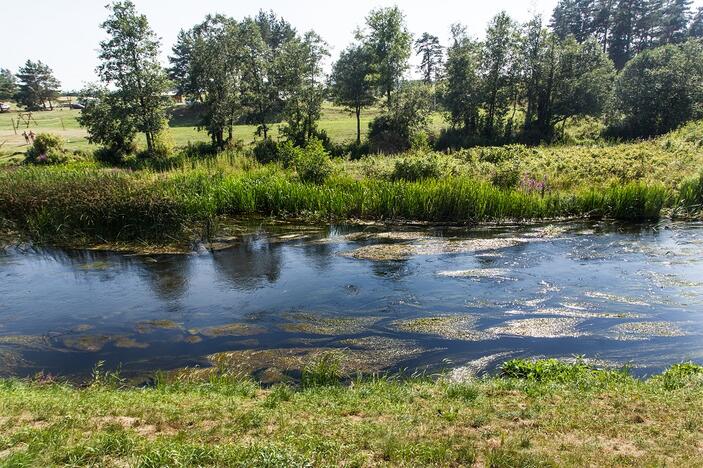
[{"x": 541, "y": 413}]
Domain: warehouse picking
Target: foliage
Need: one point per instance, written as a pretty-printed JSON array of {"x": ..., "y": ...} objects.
[
  {"x": 313, "y": 163},
  {"x": 109, "y": 123},
  {"x": 37, "y": 87},
  {"x": 417, "y": 167},
  {"x": 324, "y": 371},
  {"x": 350, "y": 82},
  {"x": 129, "y": 62},
  {"x": 429, "y": 48},
  {"x": 680, "y": 376},
  {"x": 390, "y": 43},
  {"x": 407, "y": 114},
  {"x": 660, "y": 90},
  {"x": 47, "y": 149},
  {"x": 8, "y": 84}
]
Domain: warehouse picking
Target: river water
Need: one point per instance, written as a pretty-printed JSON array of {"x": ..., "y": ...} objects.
[{"x": 389, "y": 299}]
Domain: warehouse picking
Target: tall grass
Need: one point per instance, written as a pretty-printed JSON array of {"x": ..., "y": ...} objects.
[{"x": 65, "y": 202}]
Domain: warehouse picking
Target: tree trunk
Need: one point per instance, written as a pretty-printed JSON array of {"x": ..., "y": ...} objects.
[{"x": 358, "y": 126}]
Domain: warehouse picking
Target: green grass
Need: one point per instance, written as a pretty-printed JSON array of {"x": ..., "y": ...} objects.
[
  {"x": 82, "y": 201},
  {"x": 569, "y": 416}
]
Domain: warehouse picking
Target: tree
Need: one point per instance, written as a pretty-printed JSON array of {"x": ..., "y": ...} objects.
[
  {"x": 696, "y": 29},
  {"x": 406, "y": 115},
  {"x": 499, "y": 63},
  {"x": 261, "y": 77},
  {"x": 109, "y": 122},
  {"x": 429, "y": 48},
  {"x": 130, "y": 63},
  {"x": 462, "y": 94},
  {"x": 350, "y": 83},
  {"x": 390, "y": 42},
  {"x": 183, "y": 73},
  {"x": 675, "y": 16},
  {"x": 303, "y": 87},
  {"x": 660, "y": 89},
  {"x": 8, "y": 84},
  {"x": 37, "y": 86}
]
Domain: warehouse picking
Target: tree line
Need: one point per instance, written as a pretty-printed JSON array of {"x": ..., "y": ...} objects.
[{"x": 520, "y": 82}]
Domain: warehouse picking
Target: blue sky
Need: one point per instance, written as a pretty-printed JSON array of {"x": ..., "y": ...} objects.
[{"x": 65, "y": 33}]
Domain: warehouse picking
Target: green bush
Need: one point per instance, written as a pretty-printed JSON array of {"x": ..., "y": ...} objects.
[
  {"x": 506, "y": 175},
  {"x": 47, "y": 149},
  {"x": 417, "y": 167},
  {"x": 287, "y": 153},
  {"x": 313, "y": 163},
  {"x": 681, "y": 375},
  {"x": 266, "y": 151}
]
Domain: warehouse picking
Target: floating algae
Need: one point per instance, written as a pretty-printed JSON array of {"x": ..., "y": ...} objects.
[
  {"x": 575, "y": 312},
  {"x": 455, "y": 327},
  {"x": 540, "y": 328},
  {"x": 316, "y": 324},
  {"x": 615, "y": 298},
  {"x": 402, "y": 251},
  {"x": 88, "y": 343},
  {"x": 129, "y": 343},
  {"x": 478, "y": 273},
  {"x": 638, "y": 331},
  {"x": 26, "y": 341},
  {"x": 392, "y": 235},
  {"x": 149, "y": 326},
  {"x": 232, "y": 329}
]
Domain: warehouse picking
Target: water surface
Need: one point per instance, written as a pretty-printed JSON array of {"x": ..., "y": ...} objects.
[{"x": 423, "y": 298}]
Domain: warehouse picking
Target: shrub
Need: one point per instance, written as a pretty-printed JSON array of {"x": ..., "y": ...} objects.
[
  {"x": 287, "y": 153},
  {"x": 506, "y": 175},
  {"x": 47, "y": 149},
  {"x": 417, "y": 167},
  {"x": 266, "y": 151},
  {"x": 681, "y": 375},
  {"x": 313, "y": 164}
]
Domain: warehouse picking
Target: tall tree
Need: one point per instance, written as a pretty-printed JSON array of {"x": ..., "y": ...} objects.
[
  {"x": 390, "y": 42},
  {"x": 462, "y": 91},
  {"x": 350, "y": 82},
  {"x": 696, "y": 28},
  {"x": 499, "y": 64},
  {"x": 431, "y": 53},
  {"x": 660, "y": 89},
  {"x": 182, "y": 72},
  {"x": 38, "y": 87},
  {"x": 129, "y": 62},
  {"x": 8, "y": 84},
  {"x": 675, "y": 17},
  {"x": 303, "y": 86}
]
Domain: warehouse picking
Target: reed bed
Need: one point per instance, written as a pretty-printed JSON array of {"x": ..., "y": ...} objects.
[{"x": 117, "y": 205}]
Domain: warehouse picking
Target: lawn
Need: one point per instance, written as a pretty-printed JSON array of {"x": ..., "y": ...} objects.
[
  {"x": 551, "y": 414},
  {"x": 339, "y": 125}
]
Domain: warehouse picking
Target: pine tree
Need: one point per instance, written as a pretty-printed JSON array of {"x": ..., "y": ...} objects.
[
  {"x": 429, "y": 48},
  {"x": 38, "y": 87}
]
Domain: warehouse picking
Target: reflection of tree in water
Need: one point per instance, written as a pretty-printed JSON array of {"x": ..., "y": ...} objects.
[
  {"x": 394, "y": 269},
  {"x": 321, "y": 254},
  {"x": 249, "y": 265},
  {"x": 167, "y": 275}
]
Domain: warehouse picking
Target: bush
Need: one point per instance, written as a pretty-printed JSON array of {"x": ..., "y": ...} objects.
[
  {"x": 47, "y": 149},
  {"x": 417, "y": 167},
  {"x": 506, "y": 175},
  {"x": 287, "y": 153},
  {"x": 266, "y": 151},
  {"x": 313, "y": 164},
  {"x": 681, "y": 375}
]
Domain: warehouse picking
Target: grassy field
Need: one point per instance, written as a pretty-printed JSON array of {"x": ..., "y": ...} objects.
[
  {"x": 340, "y": 126},
  {"x": 537, "y": 414}
]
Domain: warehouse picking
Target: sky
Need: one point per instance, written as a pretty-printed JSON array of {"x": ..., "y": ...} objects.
[{"x": 65, "y": 34}]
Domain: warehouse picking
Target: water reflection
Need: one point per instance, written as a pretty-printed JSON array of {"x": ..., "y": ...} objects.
[{"x": 250, "y": 264}]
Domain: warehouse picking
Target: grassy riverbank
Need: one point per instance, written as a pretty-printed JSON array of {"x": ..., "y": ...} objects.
[
  {"x": 541, "y": 414},
  {"x": 631, "y": 182}
]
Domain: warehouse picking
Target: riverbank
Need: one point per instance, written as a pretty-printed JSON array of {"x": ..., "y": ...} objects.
[
  {"x": 534, "y": 414},
  {"x": 85, "y": 202}
]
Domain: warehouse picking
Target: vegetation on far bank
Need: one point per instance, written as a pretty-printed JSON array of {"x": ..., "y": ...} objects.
[
  {"x": 541, "y": 413},
  {"x": 160, "y": 200}
]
